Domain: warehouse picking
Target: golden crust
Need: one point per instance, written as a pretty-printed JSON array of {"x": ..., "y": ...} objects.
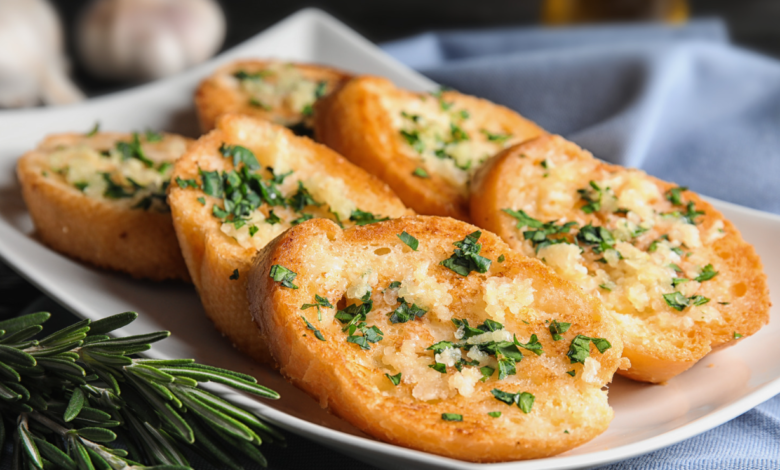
[
  {"x": 668, "y": 352},
  {"x": 356, "y": 122},
  {"x": 211, "y": 255},
  {"x": 351, "y": 381},
  {"x": 99, "y": 231},
  {"x": 219, "y": 94}
]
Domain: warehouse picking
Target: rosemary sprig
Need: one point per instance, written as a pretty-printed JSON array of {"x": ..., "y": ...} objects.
[{"x": 65, "y": 398}]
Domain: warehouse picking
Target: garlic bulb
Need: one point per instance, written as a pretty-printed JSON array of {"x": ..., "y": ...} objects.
[
  {"x": 32, "y": 67},
  {"x": 148, "y": 39}
]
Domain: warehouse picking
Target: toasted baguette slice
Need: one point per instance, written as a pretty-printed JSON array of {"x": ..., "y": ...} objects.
[
  {"x": 280, "y": 92},
  {"x": 98, "y": 199},
  {"x": 380, "y": 376},
  {"x": 219, "y": 249},
  {"x": 424, "y": 146},
  {"x": 660, "y": 247}
]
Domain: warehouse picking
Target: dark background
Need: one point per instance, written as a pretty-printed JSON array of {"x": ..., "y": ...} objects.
[{"x": 752, "y": 23}]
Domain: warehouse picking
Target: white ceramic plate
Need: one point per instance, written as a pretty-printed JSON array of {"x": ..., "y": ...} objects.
[{"x": 647, "y": 417}]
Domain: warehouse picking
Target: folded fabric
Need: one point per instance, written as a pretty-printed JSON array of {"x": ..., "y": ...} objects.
[{"x": 678, "y": 102}]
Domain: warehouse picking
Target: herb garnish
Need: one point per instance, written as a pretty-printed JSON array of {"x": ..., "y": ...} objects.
[
  {"x": 451, "y": 417},
  {"x": 558, "y": 328},
  {"x": 364, "y": 218},
  {"x": 501, "y": 258},
  {"x": 319, "y": 302},
  {"x": 281, "y": 274},
  {"x": 152, "y": 136},
  {"x": 674, "y": 195},
  {"x": 95, "y": 129},
  {"x": 679, "y": 302},
  {"x": 420, "y": 173},
  {"x": 395, "y": 379},
  {"x": 369, "y": 334},
  {"x": 133, "y": 149},
  {"x": 494, "y": 414},
  {"x": 540, "y": 237},
  {"x": 409, "y": 240},
  {"x": 317, "y": 332},
  {"x": 707, "y": 273},
  {"x": 579, "y": 349},
  {"x": 598, "y": 236},
  {"x": 466, "y": 258},
  {"x": 592, "y": 198},
  {"x": 302, "y": 198},
  {"x": 234, "y": 276},
  {"x": 406, "y": 312},
  {"x": 737, "y": 335},
  {"x": 523, "y": 400},
  {"x": 498, "y": 138},
  {"x": 240, "y": 155}
]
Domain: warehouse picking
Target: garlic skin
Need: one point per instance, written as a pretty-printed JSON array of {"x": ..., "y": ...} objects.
[
  {"x": 32, "y": 65},
  {"x": 148, "y": 39}
]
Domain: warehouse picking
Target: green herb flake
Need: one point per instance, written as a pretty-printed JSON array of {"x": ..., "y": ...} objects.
[
  {"x": 737, "y": 335},
  {"x": 240, "y": 155},
  {"x": 707, "y": 273},
  {"x": 253, "y": 230},
  {"x": 591, "y": 197},
  {"x": 494, "y": 414},
  {"x": 605, "y": 287},
  {"x": 466, "y": 258},
  {"x": 487, "y": 372},
  {"x": 501, "y": 259},
  {"x": 579, "y": 349},
  {"x": 364, "y": 218},
  {"x": 451, "y": 417},
  {"x": 395, "y": 379},
  {"x": 525, "y": 402},
  {"x": 572, "y": 372},
  {"x": 395, "y": 285},
  {"x": 95, "y": 129},
  {"x": 303, "y": 218},
  {"x": 409, "y": 240},
  {"x": 420, "y": 173},
  {"x": 188, "y": 183},
  {"x": 676, "y": 281},
  {"x": 413, "y": 139},
  {"x": 558, "y": 328},
  {"x": 369, "y": 334},
  {"x": 317, "y": 332},
  {"x": 406, "y": 312},
  {"x": 497, "y": 137},
  {"x": 542, "y": 233},
  {"x": 234, "y": 276},
  {"x": 283, "y": 275},
  {"x": 533, "y": 345},
  {"x": 152, "y": 136},
  {"x": 439, "y": 367},
  {"x": 674, "y": 195}
]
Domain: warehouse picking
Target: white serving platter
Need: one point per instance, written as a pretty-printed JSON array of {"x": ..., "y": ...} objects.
[{"x": 647, "y": 417}]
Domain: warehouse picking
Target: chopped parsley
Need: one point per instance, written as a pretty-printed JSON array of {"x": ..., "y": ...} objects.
[
  {"x": 414, "y": 141},
  {"x": 409, "y": 240},
  {"x": 690, "y": 214},
  {"x": 541, "y": 234},
  {"x": 117, "y": 191},
  {"x": 679, "y": 302},
  {"x": 676, "y": 281},
  {"x": 152, "y": 136},
  {"x": 301, "y": 199},
  {"x": 506, "y": 352},
  {"x": 498, "y": 138},
  {"x": 451, "y": 417},
  {"x": 184, "y": 184},
  {"x": 259, "y": 104},
  {"x": 439, "y": 367},
  {"x": 707, "y": 273},
  {"x": 253, "y": 230},
  {"x": 317, "y": 332},
  {"x": 592, "y": 198},
  {"x": 605, "y": 287},
  {"x": 487, "y": 372},
  {"x": 533, "y": 345},
  {"x": 133, "y": 149},
  {"x": 523, "y": 400},
  {"x": 303, "y": 218},
  {"x": 737, "y": 335},
  {"x": 558, "y": 328},
  {"x": 674, "y": 195},
  {"x": 466, "y": 258},
  {"x": 272, "y": 218},
  {"x": 395, "y": 379},
  {"x": 494, "y": 414},
  {"x": 406, "y": 312},
  {"x": 95, "y": 129},
  {"x": 579, "y": 349},
  {"x": 240, "y": 155},
  {"x": 420, "y": 173},
  {"x": 234, "y": 276},
  {"x": 572, "y": 372},
  {"x": 281, "y": 274},
  {"x": 319, "y": 302},
  {"x": 501, "y": 259},
  {"x": 395, "y": 285},
  {"x": 364, "y": 218},
  {"x": 81, "y": 185},
  {"x": 601, "y": 238},
  {"x": 369, "y": 334}
]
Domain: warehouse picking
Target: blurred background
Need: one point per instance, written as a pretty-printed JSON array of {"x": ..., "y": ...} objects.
[{"x": 751, "y": 23}]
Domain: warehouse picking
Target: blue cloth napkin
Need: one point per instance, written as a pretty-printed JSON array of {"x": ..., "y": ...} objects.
[{"x": 678, "y": 102}]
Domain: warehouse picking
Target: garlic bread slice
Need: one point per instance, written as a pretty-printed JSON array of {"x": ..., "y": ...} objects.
[
  {"x": 425, "y": 146},
  {"x": 677, "y": 275},
  {"x": 424, "y": 332},
  {"x": 281, "y": 92},
  {"x": 240, "y": 186},
  {"x": 101, "y": 198}
]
